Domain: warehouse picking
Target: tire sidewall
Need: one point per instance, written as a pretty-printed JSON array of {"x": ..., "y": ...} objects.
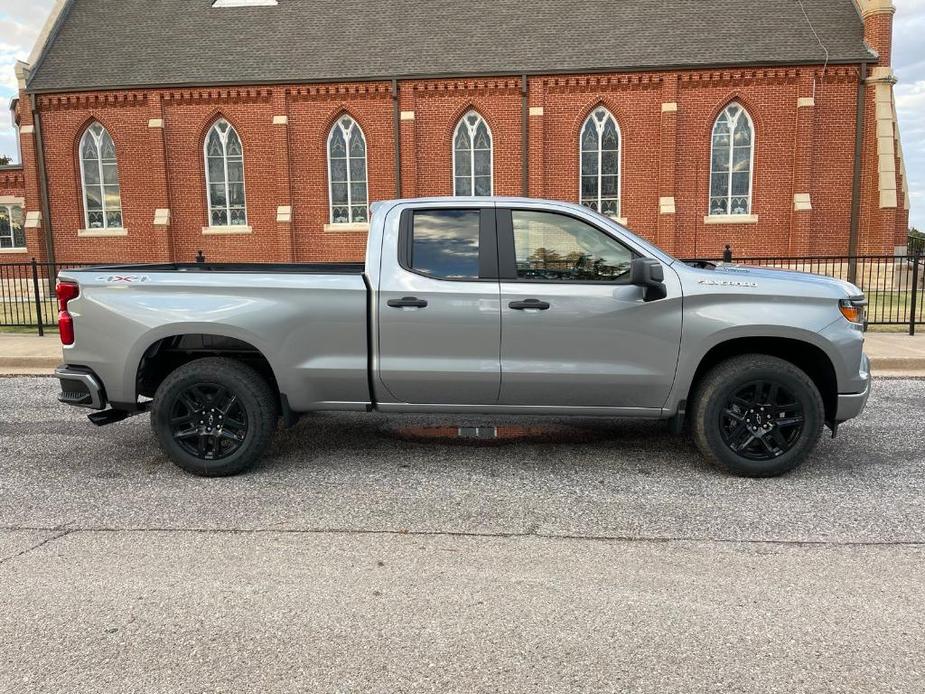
[
  {"x": 801, "y": 388},
  {"x": 255, "y": 438}
]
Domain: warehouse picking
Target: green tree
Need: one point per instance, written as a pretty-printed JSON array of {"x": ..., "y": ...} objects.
[
  {"x": 5, "y": 160},
  {"x": 916, "y": 244}
]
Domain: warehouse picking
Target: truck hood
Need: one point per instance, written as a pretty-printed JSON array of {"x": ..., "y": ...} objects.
[{"x": 751, "y": 273}]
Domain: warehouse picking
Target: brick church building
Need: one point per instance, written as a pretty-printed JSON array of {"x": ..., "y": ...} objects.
[{"x": 260, "y": 130}]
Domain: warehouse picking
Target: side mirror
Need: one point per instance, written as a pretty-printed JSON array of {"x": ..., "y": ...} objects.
[{"x": 649, "y": 274}]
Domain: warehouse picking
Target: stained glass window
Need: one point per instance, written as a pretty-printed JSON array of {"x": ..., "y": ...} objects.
[
  {"x": 600, "y": 163},
  {"x": 99, "y": 173},
  {"x": 472, "y": 156},
  {"x": 12, "y": 234},
  {"x": 224, "y": 155},
  {"x": 347, "y": 173},
  {"x": 731, "y": 162}
]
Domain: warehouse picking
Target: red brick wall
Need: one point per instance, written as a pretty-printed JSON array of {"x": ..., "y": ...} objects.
[
  {"x": 833, "y": 164},
  {"x": 188, "y": 117},
  {"x": 636, "y": 104},
  {"x": 438, "y": 106},
  {"x": 12, "y": 181},
  {"x": 663, "y": 155},
  {"x": 312, "y": 113},
  {"x": 64, "y": 121}
]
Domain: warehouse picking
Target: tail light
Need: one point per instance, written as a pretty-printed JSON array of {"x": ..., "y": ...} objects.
[{"x": 66, "y": 291}]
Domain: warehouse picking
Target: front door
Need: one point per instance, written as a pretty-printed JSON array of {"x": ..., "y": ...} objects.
[
  {"x": 574, "y": 331},
  {"x": 439, "y": 310}
]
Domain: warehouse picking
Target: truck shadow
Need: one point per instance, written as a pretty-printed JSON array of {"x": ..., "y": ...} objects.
[{"x": 413, "y": 440}]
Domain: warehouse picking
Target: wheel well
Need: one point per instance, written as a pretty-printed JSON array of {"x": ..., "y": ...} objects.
[
  {"x": 805, "y": 356},
  {"x": 170, "y": 353}
]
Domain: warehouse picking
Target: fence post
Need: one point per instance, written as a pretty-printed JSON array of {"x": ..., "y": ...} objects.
[
  {"x": 853, "y": 269},
  {"x": 38, "y": 297},
  {"x": 913, "y": 307},
  {"x": 727, "y": 254}
]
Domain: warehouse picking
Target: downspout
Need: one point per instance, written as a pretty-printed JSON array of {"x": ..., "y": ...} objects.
[
  {"x": 524, "y": 136},
  {"x": 43, "y": 183},
  {"x": 396, "y": 126},
  {"x": 856, "y": 184}
]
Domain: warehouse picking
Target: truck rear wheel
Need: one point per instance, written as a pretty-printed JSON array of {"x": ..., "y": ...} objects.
[
  {"x": 214, "y": 417},
  {"x": 757, "y": 416}
]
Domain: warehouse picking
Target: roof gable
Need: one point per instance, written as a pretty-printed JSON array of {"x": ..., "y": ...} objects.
[{"x": 106, "y": 44}]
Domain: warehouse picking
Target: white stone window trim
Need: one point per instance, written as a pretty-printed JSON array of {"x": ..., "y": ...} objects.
[
  {"x": 8, "y": 204},
  {"x": 223, "y": 137},
  {"x": 751, "y": 168},
  {"x": 97, "y": 140},
  {"x": 347, "y": 134},
  {"x": 355, "y": 227},
  {"x": 108, "y": 232},
  {"x": 599, "y": 125},
  {"x": 731, "y": 219},
  {"x": 491, "y": 150}
]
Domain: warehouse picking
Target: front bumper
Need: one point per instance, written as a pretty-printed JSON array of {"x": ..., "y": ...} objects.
[
  {"x": 80, "y": 387},
  {"x": 850, "y": 405}
]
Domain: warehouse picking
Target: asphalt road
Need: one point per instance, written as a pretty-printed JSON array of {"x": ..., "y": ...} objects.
[{"x": 604, "y": 557}]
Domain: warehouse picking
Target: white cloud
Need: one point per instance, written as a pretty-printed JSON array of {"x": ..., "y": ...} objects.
[
  {"x": 909, "y": 65},
  {"x": 20, "y": 24}
]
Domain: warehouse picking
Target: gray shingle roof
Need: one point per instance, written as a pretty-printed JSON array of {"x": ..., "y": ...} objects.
[{"x": 128, "y": 43}]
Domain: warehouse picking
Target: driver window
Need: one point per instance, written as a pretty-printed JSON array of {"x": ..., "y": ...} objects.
[{"x": 556, "y": 247}]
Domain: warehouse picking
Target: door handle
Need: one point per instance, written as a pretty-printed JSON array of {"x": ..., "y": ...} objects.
[
  {"x": 407, "y": 302},
  {"x": 527, "y": 304}
]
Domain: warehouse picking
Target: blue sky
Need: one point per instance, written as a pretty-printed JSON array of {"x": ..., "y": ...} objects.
[{"x": 21, "y": 20}]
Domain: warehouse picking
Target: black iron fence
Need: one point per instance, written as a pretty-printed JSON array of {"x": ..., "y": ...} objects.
[{"x": 894, "y": 286}]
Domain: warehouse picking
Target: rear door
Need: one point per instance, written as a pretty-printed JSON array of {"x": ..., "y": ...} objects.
[
  {"x": 575, "y": 332},
  {"x": 439, "y": 308}
]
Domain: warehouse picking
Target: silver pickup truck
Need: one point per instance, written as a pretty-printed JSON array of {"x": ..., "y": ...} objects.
[{"x": 469, "y": 305}]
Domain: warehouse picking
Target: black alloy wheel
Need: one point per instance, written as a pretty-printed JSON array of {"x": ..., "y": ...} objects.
[
  {"x": 756, "y": 415},
  {"x": 762, "y": 420},
  {"x": 208, "y": 421},
  {"x": 215, "y": 416}
]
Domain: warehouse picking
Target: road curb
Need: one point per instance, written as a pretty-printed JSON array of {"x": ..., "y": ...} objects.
[
  {"x": 29, "y": 362},
  {"x": 897, "y": 364}
]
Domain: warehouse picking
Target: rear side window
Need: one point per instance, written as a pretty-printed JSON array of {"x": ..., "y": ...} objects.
[{"x": 445, "y": 244}]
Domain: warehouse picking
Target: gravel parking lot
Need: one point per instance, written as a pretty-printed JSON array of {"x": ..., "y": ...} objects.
[{"x": 607, "y": 557}]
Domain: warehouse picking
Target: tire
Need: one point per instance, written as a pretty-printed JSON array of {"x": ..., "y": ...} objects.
[
  {"x": 214, "y": 417},
  {"x": 756, "y": 416}
]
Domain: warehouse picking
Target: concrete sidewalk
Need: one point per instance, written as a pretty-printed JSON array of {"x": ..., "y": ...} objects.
[
  {"x": 891, "y": 354},
  {"x": 29, "y": 354}
]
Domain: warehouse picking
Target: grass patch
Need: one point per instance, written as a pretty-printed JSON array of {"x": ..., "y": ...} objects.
[{"x": 893, "y": 307}]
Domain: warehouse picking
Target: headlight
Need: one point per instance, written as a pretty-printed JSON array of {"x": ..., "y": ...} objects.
[{"x": 853, "y": 308}]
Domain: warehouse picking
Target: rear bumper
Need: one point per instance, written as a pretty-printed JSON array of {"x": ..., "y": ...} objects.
[
  {"x": 850, "y": 405},
  {"x": 80, "y": 387}
]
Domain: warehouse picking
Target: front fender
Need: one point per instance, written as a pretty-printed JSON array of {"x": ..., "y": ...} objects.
[{"x": 695, "y": 347}]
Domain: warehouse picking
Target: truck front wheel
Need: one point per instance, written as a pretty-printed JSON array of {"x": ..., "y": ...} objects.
[
  {"x": 214, "y": 417},
  {"x": 757, "y": 416}
]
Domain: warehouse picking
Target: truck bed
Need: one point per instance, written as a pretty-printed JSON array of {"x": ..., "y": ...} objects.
[
  {"x": 309, "y": 320},
  {"x": 289, "y": 268}
]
